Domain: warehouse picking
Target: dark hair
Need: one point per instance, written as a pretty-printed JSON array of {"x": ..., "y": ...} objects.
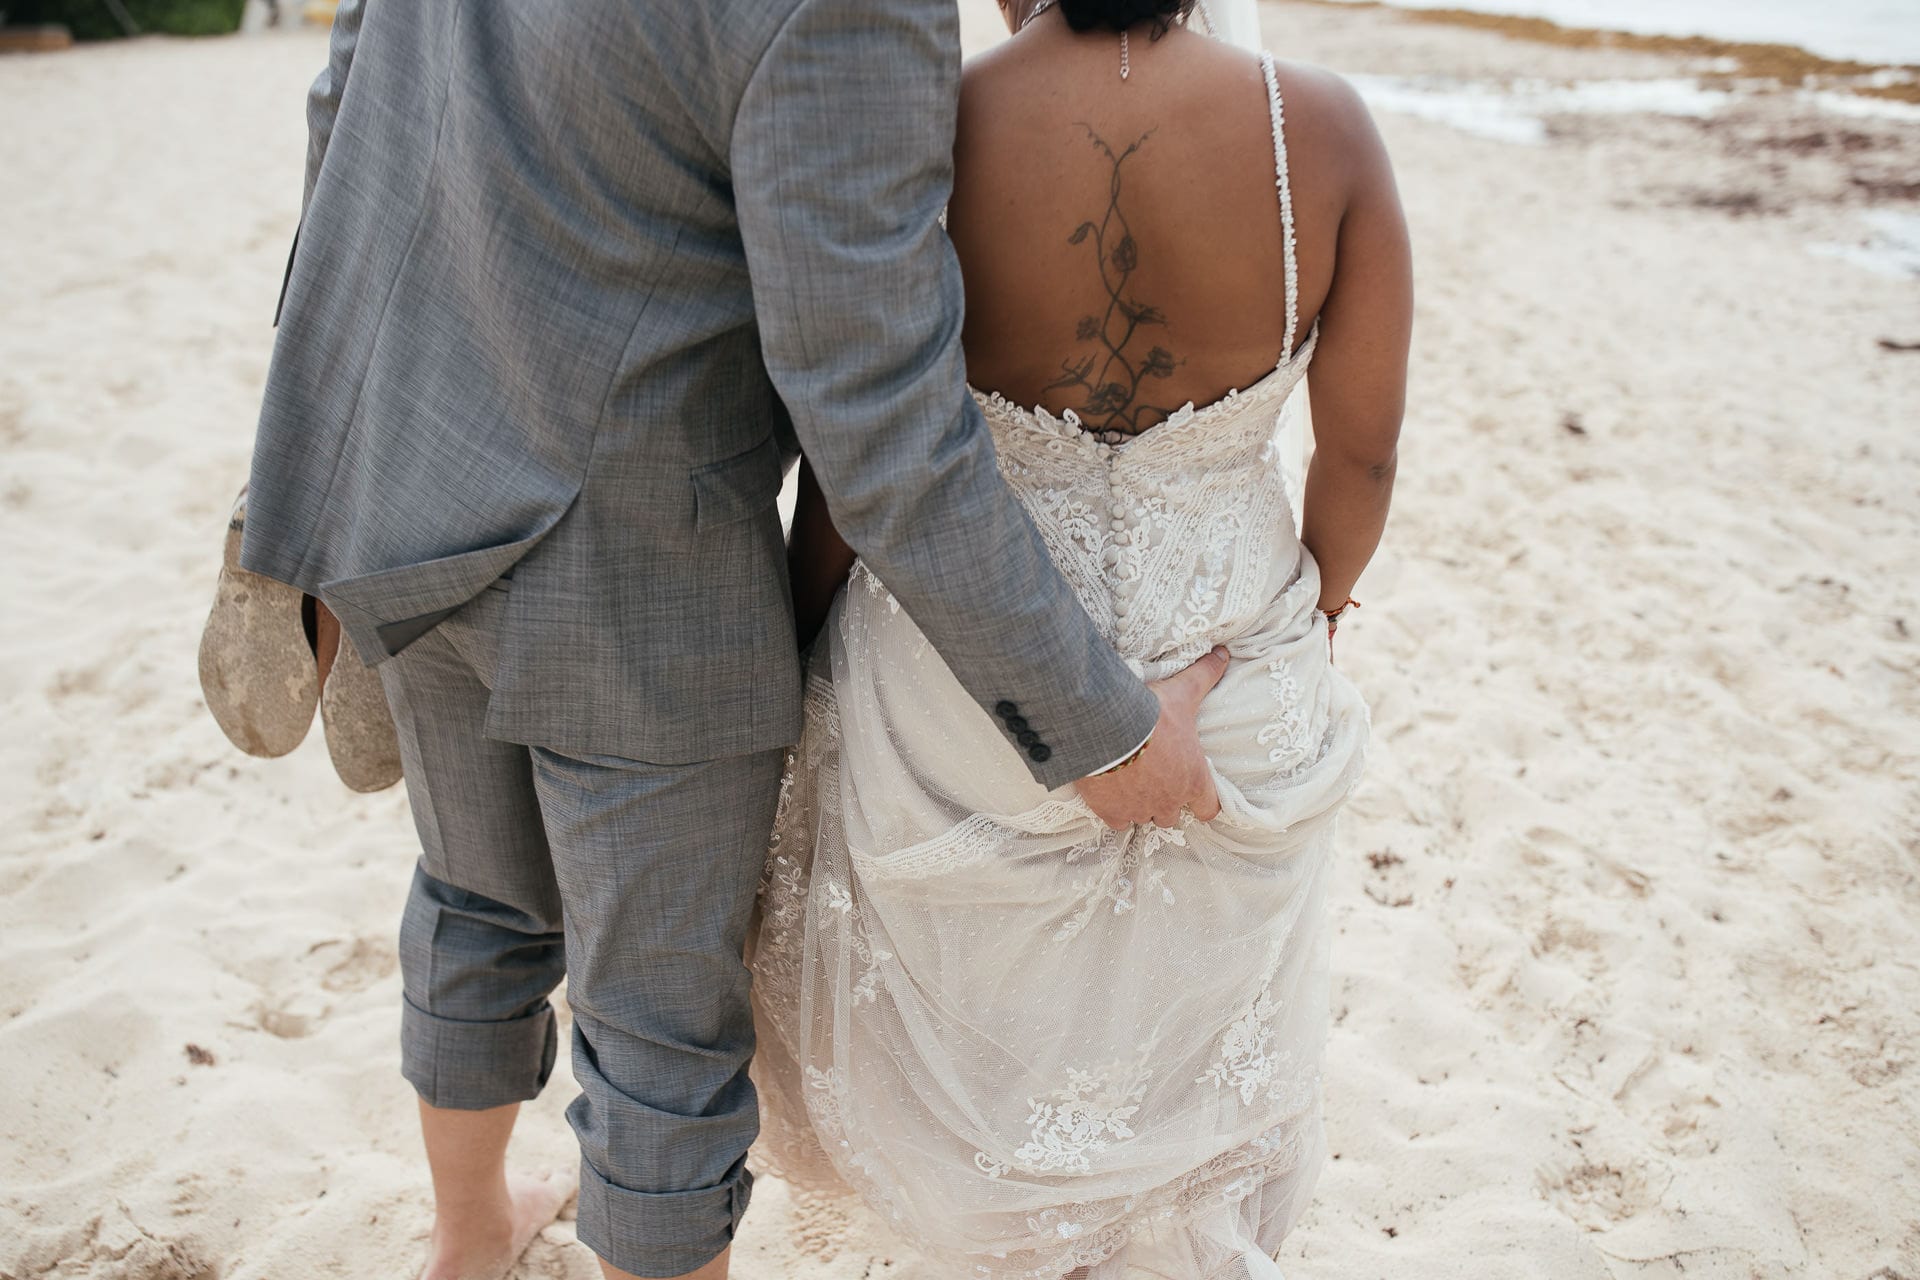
[{"x": 1119, "y": 15}]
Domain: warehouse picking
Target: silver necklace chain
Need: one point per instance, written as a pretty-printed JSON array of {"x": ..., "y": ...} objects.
[{"x": 1126, "y": 60}]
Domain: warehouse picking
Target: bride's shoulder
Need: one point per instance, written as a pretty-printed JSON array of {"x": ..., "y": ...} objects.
[
  {"x": 1306, "y": 88},
  {"x": 1001, "y": 89},
  {"x": 1329, "y": 129},
  {"x": 987, "y": 65},
  {"x": 1317, "y": 95}
]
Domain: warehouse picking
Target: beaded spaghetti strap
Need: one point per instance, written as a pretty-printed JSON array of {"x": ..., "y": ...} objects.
[{"x": 1277, "y": 112}]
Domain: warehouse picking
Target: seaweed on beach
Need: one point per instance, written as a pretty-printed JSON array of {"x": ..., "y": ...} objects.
[{"x": 1784, "y": 63}]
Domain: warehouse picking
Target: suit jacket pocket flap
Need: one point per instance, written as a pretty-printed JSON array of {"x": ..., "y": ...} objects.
[
  {"x": 388, "y": 610},
  {"x": 737, "y": 487}
]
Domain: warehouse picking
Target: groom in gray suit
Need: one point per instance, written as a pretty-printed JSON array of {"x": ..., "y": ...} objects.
[{"x": 573, "y": 285}]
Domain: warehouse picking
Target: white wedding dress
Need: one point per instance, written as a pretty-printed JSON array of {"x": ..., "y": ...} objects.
[{"x": 1032, "y": 1045}]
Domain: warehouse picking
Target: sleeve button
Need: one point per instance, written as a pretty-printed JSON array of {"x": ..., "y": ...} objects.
[
  {"x": 1039, "y": 753},
  {"x": 1003, "y": 709}
]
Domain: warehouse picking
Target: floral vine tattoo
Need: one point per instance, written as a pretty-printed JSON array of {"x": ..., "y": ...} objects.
[{"x": 1112, "y": 373}]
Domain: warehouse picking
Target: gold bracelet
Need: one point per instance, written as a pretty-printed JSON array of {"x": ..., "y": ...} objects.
[{"x": 1137, "y": 753}]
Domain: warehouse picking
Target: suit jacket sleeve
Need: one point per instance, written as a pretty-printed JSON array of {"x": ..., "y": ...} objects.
[
  {"x": 841, "y": 159},
  {"x": 323, "y": 107},
  {"x": 323, "y": 99}
]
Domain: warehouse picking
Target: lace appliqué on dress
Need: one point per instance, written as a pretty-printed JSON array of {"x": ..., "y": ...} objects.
[
  {"x": 1081, "y": 1119},
  {"x": 1123, "y": 870},
  {"x": 1248, "y": 1063}
]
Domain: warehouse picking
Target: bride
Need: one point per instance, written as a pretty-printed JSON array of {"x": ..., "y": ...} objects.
[{"x": 1036, "y": 1046}]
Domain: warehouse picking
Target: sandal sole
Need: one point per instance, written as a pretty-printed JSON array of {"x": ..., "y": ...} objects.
[
  {"x": 257, "y": 670},
  {"x": 359, "y": 725}
]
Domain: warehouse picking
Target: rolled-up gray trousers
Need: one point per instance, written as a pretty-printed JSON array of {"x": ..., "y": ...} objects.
[{"x": 632, "y": 881}]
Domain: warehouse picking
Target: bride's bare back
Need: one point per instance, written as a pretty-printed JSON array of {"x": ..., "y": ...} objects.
[
  {"x": 1123, "y": 252},
  {"x": 1121, "y": 240}
]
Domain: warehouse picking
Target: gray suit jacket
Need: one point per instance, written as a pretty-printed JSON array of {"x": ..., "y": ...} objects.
[{"x": 573, "y": 282}]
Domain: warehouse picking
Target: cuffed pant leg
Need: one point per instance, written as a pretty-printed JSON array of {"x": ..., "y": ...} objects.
[
  {"x": 476, "y": 1030},
  {"x": 658, "y": 865},
  {"x": 480, "y": 943},
  {"x": 661, "y": 1233}
]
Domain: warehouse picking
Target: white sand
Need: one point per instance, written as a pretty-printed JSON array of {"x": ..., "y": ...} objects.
[{"x": 1625, "y": 979}]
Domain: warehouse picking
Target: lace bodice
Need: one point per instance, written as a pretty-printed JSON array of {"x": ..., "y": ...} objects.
[{"x": 1175, "y": 539}]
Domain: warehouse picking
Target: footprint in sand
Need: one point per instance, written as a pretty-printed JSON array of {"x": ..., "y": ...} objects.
[
  {"x": 293, "y": 1018},
  {"x": 191, "y": 1194},
  {"x": 364, "y": 962},
  {"x": 1389, "y": 882},
  {"x": 1595, "y": 1190},
  {"x": 1566, "y": 850},
  {"x": 1573, "y": 943},
  {"x": 74, "y": 683},
  {"x": 1691, "y": 1126},
  {"x": 112, "y": 1246}
]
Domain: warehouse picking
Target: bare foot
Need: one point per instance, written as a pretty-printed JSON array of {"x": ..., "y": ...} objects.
[{"x": 483, "y": 1243}]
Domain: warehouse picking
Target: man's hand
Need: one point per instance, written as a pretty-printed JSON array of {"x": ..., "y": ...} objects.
[{"x": 1172, "y": 773}]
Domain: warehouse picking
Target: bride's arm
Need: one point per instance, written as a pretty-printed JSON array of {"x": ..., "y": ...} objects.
[
  {"x": 1358, "y": 379},
  {"x": 818, "y": 558}
]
